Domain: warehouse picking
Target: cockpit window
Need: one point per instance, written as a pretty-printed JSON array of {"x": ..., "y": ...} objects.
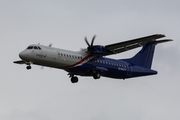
[
  {"x": 39, "y": 48},
  {"x": 30, "y": 47},
  {"x": 35, "y": 47}
]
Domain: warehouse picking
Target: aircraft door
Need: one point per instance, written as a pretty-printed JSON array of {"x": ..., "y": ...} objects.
[
  {"x": 129, "y": 69},
  {"x": 59, "y": 55},
  {"x": 53, "y": 55}
]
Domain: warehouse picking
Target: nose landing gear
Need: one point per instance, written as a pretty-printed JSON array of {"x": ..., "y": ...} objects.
[
  {"x": 74, "y": 79},
  {"x": 28, "y": 67}
]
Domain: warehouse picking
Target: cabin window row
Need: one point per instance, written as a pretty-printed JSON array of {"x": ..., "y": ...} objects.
[
  {"x": 109, "y": 63},
  {"x": 70, "y": 56}
]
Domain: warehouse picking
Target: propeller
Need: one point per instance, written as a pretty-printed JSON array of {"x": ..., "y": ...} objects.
[{"x": 90, "y": 47}]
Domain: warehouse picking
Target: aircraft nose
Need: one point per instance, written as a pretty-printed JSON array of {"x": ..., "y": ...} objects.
[{"x": 22, "y": 55}]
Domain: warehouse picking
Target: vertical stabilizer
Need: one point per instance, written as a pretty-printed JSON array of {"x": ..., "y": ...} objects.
[{"x": 144, "y": 57}]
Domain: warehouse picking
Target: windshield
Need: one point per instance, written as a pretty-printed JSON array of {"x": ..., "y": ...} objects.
[
  {"x": 34, "y": 47},
  {"x": 30, "y": 47}
]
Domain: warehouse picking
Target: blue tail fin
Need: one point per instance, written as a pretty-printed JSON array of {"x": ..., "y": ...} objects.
[{"x": 144, "y": 57}]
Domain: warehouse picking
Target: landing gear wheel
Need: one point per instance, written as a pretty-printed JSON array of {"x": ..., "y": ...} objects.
[
  {"x": 28, "y": 67},
  {"x": 96, "y": 75},
  {"x": 74, "y": 79}
]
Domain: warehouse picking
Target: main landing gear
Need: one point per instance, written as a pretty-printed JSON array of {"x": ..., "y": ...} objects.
[
  {"x": 96, "y": 75},
  {"x": 74, "y": 79}
]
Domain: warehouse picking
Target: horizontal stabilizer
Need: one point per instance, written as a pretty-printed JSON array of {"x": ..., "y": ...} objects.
[{"x": 159, "y": 41}]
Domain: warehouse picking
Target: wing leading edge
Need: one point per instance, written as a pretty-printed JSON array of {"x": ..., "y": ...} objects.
[{"x": 131, "y": 44}]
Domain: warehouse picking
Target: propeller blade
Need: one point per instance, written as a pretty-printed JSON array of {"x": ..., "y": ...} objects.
[
  {"x": 90, "y": 47},
  {"x": 93, "y": 40},
  {"x": 87, "y": 41}
]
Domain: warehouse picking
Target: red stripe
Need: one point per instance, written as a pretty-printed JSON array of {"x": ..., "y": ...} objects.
[{"x": 79, "y": 61}]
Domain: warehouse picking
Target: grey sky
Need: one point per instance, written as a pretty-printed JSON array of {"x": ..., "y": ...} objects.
[{"x": 48, "y": 94}]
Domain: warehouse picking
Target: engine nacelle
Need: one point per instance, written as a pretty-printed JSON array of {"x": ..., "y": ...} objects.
[{"x": 100, "y": 50}]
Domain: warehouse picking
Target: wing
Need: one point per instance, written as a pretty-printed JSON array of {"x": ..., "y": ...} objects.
[
  {"x": 19, "y": 62},
  {"x": 131, "y": 44}
]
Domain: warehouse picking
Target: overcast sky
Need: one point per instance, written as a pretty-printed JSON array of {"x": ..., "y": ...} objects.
[{"x": 48, "y": 94}]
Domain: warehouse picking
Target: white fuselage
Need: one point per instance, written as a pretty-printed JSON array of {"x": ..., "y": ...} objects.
[{"x": 54, "y": 57}]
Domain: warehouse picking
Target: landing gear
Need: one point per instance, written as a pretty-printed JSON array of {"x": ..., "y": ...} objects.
[
  {"x": 28, "y": 67},
  {"x": 74, "y": 79},
  {"x": 96, "y": 75}
]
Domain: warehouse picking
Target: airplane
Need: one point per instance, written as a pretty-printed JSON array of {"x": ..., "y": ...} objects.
[{"x": 93, "y": 62}]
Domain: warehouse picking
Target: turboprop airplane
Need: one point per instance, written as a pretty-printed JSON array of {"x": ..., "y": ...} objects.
[{"x": 92, "y": 61}]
